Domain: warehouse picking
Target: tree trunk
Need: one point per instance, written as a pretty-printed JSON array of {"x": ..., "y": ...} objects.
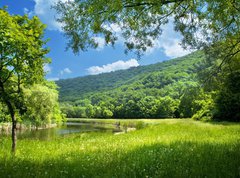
[
  {"x": 12, "y": 113},
  {"x": 14, "y": 134},
  {"x": 14, "y": 126}
]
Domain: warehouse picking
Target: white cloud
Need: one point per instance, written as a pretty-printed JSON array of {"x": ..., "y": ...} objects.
[
  {"x": 53, "y": 79},
  {"x": 119, "y": 65},
  {"x": 169, "y": 42},
  {"x": 101, "y": 43},
  {"x": 43, "y": 9},
  {"x": 115, "y": 29},
  {"x": 47, "y": 68},
  {"x": 172, "y": 48},
  {"x": 65, "y": 71}
]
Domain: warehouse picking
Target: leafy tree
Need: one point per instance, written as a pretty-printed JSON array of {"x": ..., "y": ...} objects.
[
  {"x": 166, "y": 108},
  {"x": 201, "y": 22},
  {"x": 22, "y": 57},
  {"x": 228, "y": 101},
  {"x": 90, "y": 111},
  {"x": 80, "y": 112},
  {"x": 98, "y": 112},
  {"x": 4, "y": 116},
  {"x": 82, "y": 103},
  {"x": 42, "y": 105},
  {"x": 187, "y": 106},
  {"x": 107, "y": 113},
  {"x": 148, "y": 106}
]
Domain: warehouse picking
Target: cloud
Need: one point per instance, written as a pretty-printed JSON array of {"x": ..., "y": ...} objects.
[
  {"x": 116, "y": 30},
  {"x": 172, "y": 48},
  {"x": 169, "y": 42},
  {"x": 101, "y": 43},
  {"x": 65, "y": 71},
  {"x": 119, "y": 65},
  {"x": 47, "y": 68},
  {"x": 43, "y": 9}
]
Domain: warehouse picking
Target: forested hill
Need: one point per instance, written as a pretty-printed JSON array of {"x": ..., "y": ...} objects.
[
  {"x": 151, "y": 76},
  {"x": 160, "y": 90}
]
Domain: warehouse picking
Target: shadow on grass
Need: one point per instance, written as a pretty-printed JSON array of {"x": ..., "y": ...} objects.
[
  {"x": 178, "y": 159},
  {"x": 227, "y": 123}
]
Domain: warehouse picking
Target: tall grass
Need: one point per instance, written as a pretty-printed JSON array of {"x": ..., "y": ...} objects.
[{"x": 171, "y": 148}]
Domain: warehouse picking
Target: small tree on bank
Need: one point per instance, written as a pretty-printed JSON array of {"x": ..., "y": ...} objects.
[{"x": 22, "y": 57}]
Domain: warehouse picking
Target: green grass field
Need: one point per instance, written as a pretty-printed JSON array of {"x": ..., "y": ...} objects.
[{"x": 165, "y": 148}]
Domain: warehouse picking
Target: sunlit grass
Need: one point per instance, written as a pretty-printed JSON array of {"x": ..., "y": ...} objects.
[{"x": 167, "y": 148}]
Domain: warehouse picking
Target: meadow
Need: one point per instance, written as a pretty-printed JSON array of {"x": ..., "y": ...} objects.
[{"x": 163, "y": 148}]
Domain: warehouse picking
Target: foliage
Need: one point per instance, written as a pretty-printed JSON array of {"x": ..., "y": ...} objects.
[
  {"x": 206, "y": 106},
  {"x": 169, "y": 89},
  {"x": 172, "y": 148},
  {"x": 22, "y": 58},
  {"x": 221, "y": 78},
  {"x": 42, "y": 105},
  {"x": 228, "y": 101},
  {"x": 4, "y": 116},
  {"x": 153, "y": 91},
  {"x": 201, "y": 22}
]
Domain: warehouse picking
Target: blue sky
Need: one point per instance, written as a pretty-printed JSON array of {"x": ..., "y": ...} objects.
[{"x": 104, "y": 59}]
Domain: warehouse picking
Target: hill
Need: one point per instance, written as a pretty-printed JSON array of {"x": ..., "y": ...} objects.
[
  {"x": 156, "y": 76},
  {"x": 161, "y": 90}
]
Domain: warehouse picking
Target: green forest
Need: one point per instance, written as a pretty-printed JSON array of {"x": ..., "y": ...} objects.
[{"x": 170, "y": 89}]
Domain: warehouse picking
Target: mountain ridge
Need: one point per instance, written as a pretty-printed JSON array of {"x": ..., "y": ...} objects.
[{"x": 80, "y": 87}]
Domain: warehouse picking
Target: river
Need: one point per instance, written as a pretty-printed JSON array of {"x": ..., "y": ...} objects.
[{"x": 68, "y": 128}]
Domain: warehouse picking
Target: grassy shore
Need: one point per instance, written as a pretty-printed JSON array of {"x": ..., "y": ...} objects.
[{"x": 167, "y": 148}]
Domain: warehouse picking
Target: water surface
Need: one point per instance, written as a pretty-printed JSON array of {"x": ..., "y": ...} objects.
[{"x": 68, "y": 128}]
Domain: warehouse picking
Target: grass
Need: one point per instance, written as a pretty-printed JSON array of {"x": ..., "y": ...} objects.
[{"x": 168, "y": 148}]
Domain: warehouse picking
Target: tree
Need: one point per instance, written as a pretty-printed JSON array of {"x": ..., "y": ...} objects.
[
  {"x": 4, "y": 116},
  {"x": 107, "y": 113},
  {"x": 42, "y": 105},
  {"x": 228, "y": 100},
  {"x": 22, "y": 57},
  {"x": 90, "y": 111},
  {"x": 202, "y": 22},
  {"x": 148, "y": 106},
  {"x": 166, "y": 108}
]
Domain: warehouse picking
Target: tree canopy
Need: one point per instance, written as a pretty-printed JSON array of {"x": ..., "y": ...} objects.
[{"x": 201, "y": 22}]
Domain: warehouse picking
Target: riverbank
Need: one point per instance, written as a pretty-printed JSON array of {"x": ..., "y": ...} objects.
[
  {"x": 6, "y": 128},
  {"x": 170, "y": 148}
]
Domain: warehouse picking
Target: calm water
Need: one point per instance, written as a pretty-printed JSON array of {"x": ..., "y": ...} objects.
[{"x": 69, "y": 128}]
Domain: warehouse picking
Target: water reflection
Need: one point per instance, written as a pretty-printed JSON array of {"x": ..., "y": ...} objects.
[{"x": 69, "y": 128}]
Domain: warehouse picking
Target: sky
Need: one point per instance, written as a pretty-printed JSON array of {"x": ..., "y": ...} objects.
[{"x": 65, "y": 64}]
